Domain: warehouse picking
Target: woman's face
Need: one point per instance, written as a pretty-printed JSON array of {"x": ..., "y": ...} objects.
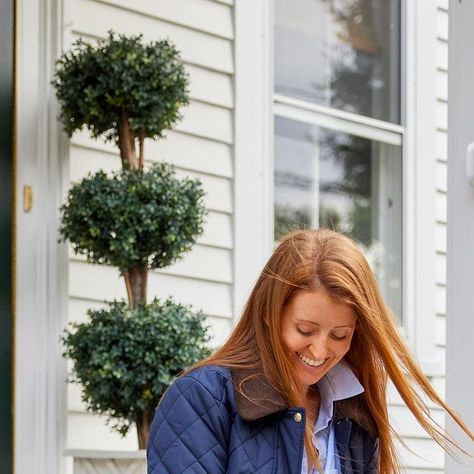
[{"x": 317, "y": 331}]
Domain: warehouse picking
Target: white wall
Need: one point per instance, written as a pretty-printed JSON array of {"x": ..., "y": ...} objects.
[{"x": 201, "y": 146}]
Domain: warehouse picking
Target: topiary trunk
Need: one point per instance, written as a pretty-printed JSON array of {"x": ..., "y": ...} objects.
[
  {"x": 136, "y": 282},
  {"x": 143, "y": 429}
]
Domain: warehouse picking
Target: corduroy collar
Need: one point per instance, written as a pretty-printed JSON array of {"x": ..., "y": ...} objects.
[{"x": 256, "y": 398}]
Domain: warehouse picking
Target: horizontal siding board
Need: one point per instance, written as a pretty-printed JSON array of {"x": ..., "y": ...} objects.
[
  {"x": 443, "y": 4},
  {"x": 440, "y": 269},
  {"x": 203, "y": 262},
  {"x": 208, "y": 16},
  {"x": 405, "y": 423},
  {"x": 95, "y": 19},
  {"x": 442, "y": 55},
  {"x": 87, "y": 431},
  {"x": 441, "y": 115},
  {"x": 441, "y": 207},
  {"x": 218, "y": 230},
  {"x": 218, "y": 190},
  {"x": 439, "y": 383},
  {"x": 94, "y": 282},
  {"x": 442, "y": 25},
  {"x": 440, "y": 330},
  {"x": 441, "y": 235},
  {"x": 219, "y": 329},
  {"x": 426, "y": 454},
  {"x": 440, "y": 299},
  {"x": 441, "y": 146},
  {"x": 182, "y": 150},
  {"x": 208, "y": 121},
  {"x": 210, "y": 86},
  {"x": 442, "y": 85},
  {"x": 441, "y": 176}
]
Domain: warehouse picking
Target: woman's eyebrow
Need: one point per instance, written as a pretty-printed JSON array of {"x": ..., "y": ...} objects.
[{"x": 317, "y": 324}]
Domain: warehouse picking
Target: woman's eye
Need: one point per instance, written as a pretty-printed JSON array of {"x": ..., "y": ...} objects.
[
  {"x": 304, "y": 332},
  {"x": 338, "y": 338}
]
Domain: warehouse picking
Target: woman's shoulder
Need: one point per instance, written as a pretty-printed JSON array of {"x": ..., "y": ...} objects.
[
  {"x": 208, "y": 381},
  {"x": 209, "y": 375}
]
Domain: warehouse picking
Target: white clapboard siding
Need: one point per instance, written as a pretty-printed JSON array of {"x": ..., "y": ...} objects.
[
  {"x": 218, "y": 189},
  {"x": 440, "y": 268},
  {"x": 197, "y": 47},
  {"x": 78, "y": 307},
  {"x": 441, "y": 115},
  {"x": 426, "y": 455},
  {"x": 217, "y": 261},
  {"x": 442, "y": 85},
  {"x": 87, "y": 431},
  {"x": 210, "y": 86},
  {"x": 440, "y": 242},
  {"x": 217, "y": 20},
  {"x": 442, "y": 55},
  {"x": 440, "y": 299},
  {"x": 201, "y": 146},
  {"x": 440, "y": 330},
  {"x": 442, "y": 146},
  {"x": 441, "y": 176},
  {"x": 98, "y": 282},
  {"x": 182, "y": 150},
  {"x": 441, "y": 206}
]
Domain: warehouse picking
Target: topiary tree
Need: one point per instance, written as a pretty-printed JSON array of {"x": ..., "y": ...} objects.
[
  {"x": 123, "y": 90},
  {"x": 117, "y": 352},
  {"x": 136, "y": 219}
]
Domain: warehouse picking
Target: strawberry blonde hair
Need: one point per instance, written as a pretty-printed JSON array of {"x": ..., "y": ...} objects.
[{"x": 313, "y": 259}]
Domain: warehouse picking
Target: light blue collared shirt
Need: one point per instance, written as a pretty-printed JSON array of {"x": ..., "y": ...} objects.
[{"x": 338, "y": 384}]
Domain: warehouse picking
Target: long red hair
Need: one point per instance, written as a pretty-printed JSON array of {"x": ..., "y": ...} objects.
[{"x": 310, "y": 259}]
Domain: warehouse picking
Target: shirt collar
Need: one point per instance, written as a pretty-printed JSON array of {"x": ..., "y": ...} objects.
[{"x": 338, "y": 384}]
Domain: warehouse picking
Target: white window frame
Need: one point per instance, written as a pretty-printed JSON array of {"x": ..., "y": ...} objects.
[{"x": 256, "y": 106}]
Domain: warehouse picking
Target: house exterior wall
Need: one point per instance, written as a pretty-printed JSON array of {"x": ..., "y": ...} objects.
[
  {"x": 201, "y": 146},
  {"x": 204, "y": 145}
]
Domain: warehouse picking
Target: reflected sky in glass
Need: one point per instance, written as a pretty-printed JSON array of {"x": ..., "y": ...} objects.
[{"x": 340, "y": 53}]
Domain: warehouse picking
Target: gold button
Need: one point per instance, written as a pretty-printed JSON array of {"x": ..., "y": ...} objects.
[{"x": 298, "y": 417}]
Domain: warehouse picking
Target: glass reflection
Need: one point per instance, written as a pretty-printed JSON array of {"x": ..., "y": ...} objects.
[
  {"x": 347, "y": 183},
  {"x": 340, "y": 53}
]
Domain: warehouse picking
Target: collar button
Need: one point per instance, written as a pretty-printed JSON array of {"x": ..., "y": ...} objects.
[{"x": 297, "y": 417}]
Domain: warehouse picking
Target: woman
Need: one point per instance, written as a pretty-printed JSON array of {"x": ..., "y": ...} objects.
[{"x": 300, "y": 385}]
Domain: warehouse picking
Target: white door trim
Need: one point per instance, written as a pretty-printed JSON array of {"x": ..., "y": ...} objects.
[
  {"x": 253, "y": 169},
  {"x": 42, "y": 264},
  {"x": 419, "y": 115},
  {"x": 460, "y": 295}
]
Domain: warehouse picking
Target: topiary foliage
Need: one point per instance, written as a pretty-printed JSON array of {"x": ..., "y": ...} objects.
[
  {"x": 148, "y": 218},
  {"x": 122, "y": 89},
  {"x": 125, "y": 358},
  {"x": 95, "y": 82}
]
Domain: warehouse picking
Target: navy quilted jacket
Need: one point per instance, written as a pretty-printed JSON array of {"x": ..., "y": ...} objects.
[{"x": 203, "y": 425}]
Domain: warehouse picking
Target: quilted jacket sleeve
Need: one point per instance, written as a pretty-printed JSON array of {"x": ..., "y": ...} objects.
[{"x": 189, "y": 433}]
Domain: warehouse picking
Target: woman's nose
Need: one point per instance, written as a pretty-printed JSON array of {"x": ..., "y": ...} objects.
[{"x": 319, "y": 347}]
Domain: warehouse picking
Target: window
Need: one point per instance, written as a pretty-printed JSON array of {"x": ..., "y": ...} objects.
[{"x": 338, "y": 138}]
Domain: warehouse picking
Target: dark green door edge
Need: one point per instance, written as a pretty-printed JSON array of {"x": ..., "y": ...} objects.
[{"x": 7, "y": 36}]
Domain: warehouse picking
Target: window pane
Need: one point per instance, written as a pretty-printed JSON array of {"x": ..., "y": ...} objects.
[
  {"x": 348, "y": 183},
  {"x": 340, "y": 53}
]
